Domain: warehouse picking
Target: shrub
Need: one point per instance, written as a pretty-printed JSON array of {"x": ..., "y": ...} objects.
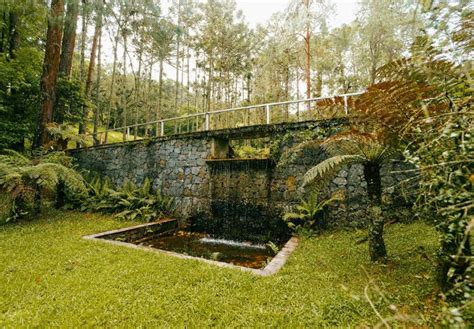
[
  {"x": 26, "y": 180},
  {"x": 308, "y": 216},
  {"x": 128, "y": 202}
]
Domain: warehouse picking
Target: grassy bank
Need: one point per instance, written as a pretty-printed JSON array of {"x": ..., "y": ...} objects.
[{"x": 49, "y": 276}]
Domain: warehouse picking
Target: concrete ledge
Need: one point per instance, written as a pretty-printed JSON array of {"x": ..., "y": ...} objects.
[{"x": 273, "y": 267}]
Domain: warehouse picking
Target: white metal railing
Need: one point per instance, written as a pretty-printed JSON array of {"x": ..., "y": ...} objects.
[{"x": 277, "y": 112}]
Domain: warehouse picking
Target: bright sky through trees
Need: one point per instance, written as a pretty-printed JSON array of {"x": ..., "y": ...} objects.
[{"x": 259, "y": 11}]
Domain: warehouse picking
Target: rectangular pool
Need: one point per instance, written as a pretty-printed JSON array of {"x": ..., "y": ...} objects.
[{"x": 164, "y": 236}]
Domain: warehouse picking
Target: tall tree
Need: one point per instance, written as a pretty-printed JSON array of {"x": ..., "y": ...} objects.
[
  {"x": 69, "y": 38},
  {"x": 13, "y": 34},
  {"x": 50, "y": 71},
  {"x": 307, "y": 42},
  {"x": 90, "y": 70}
]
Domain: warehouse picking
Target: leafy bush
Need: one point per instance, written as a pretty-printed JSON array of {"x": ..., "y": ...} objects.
[
  {"x": 27, "y": 180},
  {"x": 308, "y": 215},
  {"x": 247, "y": 151},
  {"x": 128, "y": 202}
]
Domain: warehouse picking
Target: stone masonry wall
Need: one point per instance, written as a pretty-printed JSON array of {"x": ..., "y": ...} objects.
[{"x": 177, "y": 167}]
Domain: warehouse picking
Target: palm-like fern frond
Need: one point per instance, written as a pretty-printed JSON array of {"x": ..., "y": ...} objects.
[{"x": 330, "y": 166}]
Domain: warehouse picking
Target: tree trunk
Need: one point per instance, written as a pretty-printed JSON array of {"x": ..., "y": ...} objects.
[
  {"x": 50, "y": 72},
  {"x": 69, "y": 38},
  {"x": 307, "y": 40},
  {"x": 98, "y": 77},
  {"x": 377, "y": 249},
  {"x": 160, "y": 96},
  {"x": 3, "y": 31},
  {"x": 112, "y": 86},
  {"x": 60, "y": 199},
  {"x": 37, "y": 195},
  {"x": 148, "y": 92},
  {"x": 188, "y": 56},
  {"x": 85, "y": 19},
  {"x": 138, "y": 88},
  {"x": 124, "y": 90},
  {"x": 176, "y": 95},
  {"x": 13, "y": 35},
  {"x": 90, "y": 70}
]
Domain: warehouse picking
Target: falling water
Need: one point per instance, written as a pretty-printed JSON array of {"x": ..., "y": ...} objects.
[{"x": 240, "y": 202}]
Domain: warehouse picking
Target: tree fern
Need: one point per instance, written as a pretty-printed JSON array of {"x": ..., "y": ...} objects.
[{"x": 21, "y": 177}]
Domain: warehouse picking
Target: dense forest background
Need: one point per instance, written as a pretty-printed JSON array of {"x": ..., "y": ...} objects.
[{"x": 90, "y": 64}]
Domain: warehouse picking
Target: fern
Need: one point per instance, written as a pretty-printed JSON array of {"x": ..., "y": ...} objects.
[
  {"x": 128, "y": 202},
  {"x": 329, "y": 167},
  {"x": 308, "y": 213},
  {"x": 22, "y": 177}
]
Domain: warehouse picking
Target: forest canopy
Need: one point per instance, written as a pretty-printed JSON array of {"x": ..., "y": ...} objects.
[{"x": 117, "y": 63}]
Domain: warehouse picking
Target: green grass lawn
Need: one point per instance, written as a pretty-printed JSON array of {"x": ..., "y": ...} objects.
[{"x": 49, "y": 276}]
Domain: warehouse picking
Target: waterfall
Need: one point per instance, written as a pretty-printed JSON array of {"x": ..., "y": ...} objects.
[{"x": 240, "y": 207}]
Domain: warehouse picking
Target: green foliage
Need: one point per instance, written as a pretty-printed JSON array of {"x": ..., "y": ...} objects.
[
  {"x": 247, "y": 151},
  {"x": 308, "y": 215},
  {"x": 19, "y": 97},
  {"x": 128, "y": 202},
  {"x": 70, "y": 101},
  {"x": 26, "y": 179},
  {"x": 344, "y": 148},
  {"x": 426, "y": 100},
  {"x": 330, "y": 167}
]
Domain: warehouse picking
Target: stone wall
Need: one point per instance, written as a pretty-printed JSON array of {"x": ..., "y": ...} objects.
[
  {"x": 176, "y": 167},
  {"x": 181, "y": 167}
]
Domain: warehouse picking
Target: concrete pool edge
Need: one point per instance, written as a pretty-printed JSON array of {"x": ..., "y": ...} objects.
[{"x": 271, "y": 268}]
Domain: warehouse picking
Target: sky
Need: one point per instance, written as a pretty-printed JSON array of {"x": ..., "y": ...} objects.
[{"x": 259, "y": 11}]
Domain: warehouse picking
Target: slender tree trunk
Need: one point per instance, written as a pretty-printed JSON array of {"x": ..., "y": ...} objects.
[
  {"x": 377, "y": 249},
  {"x": 3, "y": 32},
  {"x": 37, "y": 197},
  {"x": 13, "y": 35},
  {"x": 297, "y": 93},
  {"x": 98, "y": 80},
  {"x": 60, "y": 199},
  {"x": 84, "y": 20},
  {"x": 188, "y": 56},
  {"x": 69, "y": 38},
  {"x": 160, "y": 96},
  {"x": 124, "y": 98},
  {"x": 112, "y": 85},
  {"x": 287, "y": 85},
  {"x": 138, "y": 88},
  {"x": 149, "y": 92},
  {"x": 307, "y": 40},
  {"x": 90, "y": 70},
  {"x": 178, "y": 39},
  {"x": 50, "y": 72},
  {"x": 319, "y": 83}
]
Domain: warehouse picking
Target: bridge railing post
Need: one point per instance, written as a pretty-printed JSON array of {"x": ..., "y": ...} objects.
[
  {"x": 267, "y": 114},
  {"x": 162, "y": 128},
  {"x": 346, "y": 110},
  {"x": 206, "y": 126}
]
